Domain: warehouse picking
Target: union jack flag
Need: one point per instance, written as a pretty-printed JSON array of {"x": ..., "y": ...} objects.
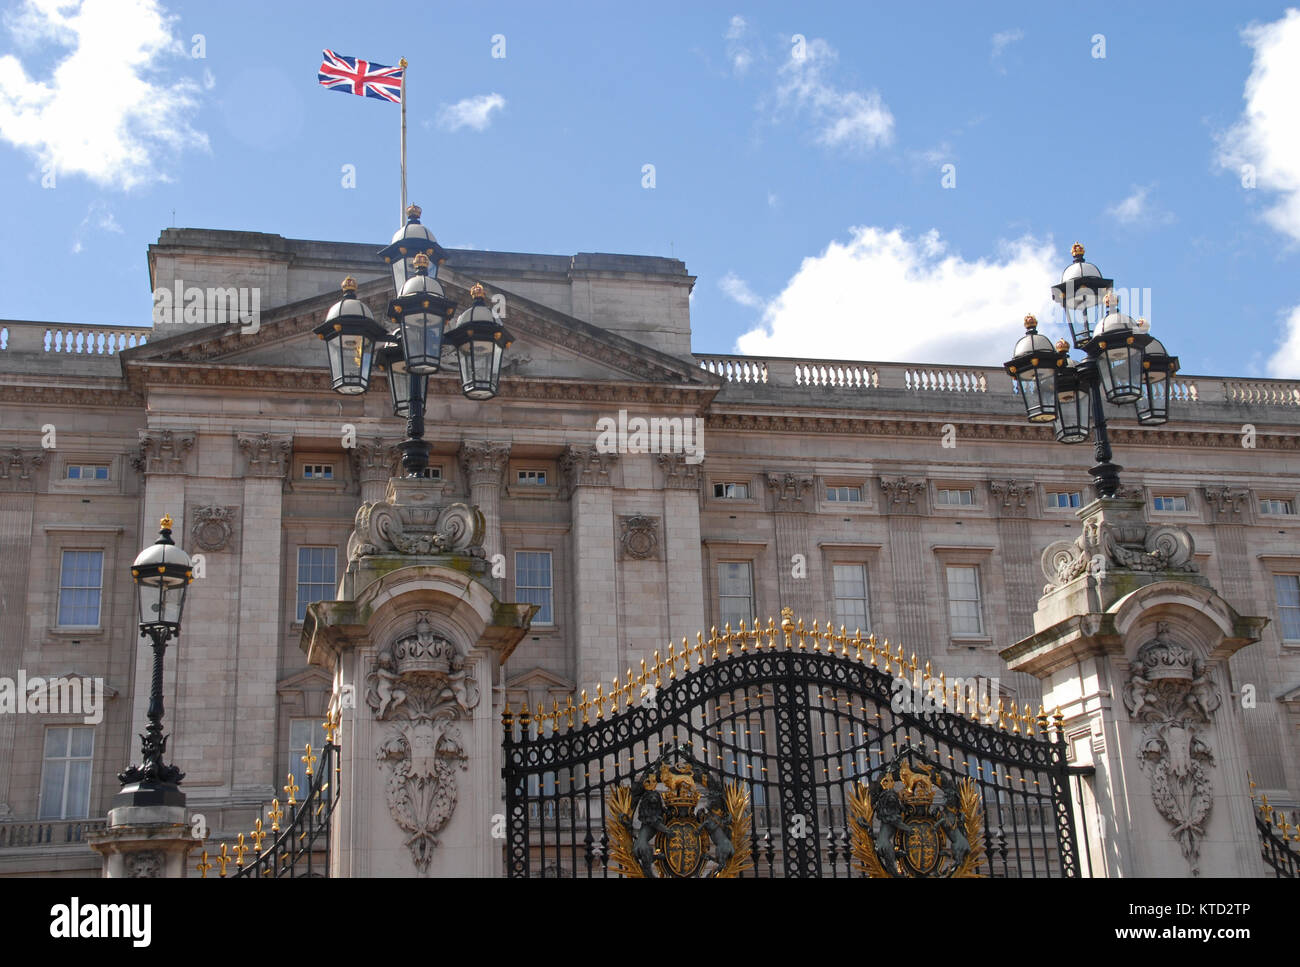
[{"x": 361, "y": 77}]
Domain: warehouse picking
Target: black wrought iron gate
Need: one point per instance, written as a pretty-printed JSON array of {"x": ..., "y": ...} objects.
[{"x": 795, "y": 718}]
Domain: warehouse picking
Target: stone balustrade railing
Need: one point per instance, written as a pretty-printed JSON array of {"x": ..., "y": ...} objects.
[
  {"x": 47, "y": 832},
  {"x": 41, "y": 337},
  {"x": 944, "y": 380}
]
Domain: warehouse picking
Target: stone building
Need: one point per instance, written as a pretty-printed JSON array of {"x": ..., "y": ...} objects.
[{"x": 912, "y": 501}]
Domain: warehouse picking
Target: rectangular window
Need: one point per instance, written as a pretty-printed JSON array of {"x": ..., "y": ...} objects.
[
  {"x": 318, "y": 471},
  {"x": 87, "y": 471},
  {"x": 735, "y": 594},
  {"x": 317, "y": 578},
  {"x": 1058, "y": 498},
  {"x": 957, "y": 497},
  {"x": 531, "y": 478},
  {"x": 964, "y": 609},
  {"x": 850, "y": 494},
  {"x": 851, "y": 606},
  {"x": 1170, "y": 502},
  {"x": 81, "y": 583},
  {"x": 1288, "y": 605},
  {"x": 432, "y": 473},
  {"x": 65, "y": 776},
  {"x": 731, "y": 491},
  {"x": 1273, "y": 506},
  {"x": 534, "y": 583},
  {"x": 302, "y": 731}
]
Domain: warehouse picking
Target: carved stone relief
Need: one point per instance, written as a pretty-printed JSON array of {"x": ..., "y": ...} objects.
[
  {"x": 1129, "y": 545},
  {"x": 386, "y": 528},
  {"x": 265, "y": 455},
  {"x": 1173, "y": 694},
  {"x": 639, "y": 537},
  {"x": 163, "y": 451},
  {"x": 145, "y": 865},
  {"x": 213, "y": 527},
  {"x": 421, "y": 686}
]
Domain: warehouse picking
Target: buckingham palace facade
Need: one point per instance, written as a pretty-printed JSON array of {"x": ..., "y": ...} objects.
[{"x": 633, "y": 490}]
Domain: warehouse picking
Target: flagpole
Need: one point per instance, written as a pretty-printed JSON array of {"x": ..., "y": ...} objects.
[{"x": 402, "y": 218}]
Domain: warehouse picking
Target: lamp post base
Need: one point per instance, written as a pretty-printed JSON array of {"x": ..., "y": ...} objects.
[
  {"x": 415, "y": 456},
  {"x": 1105, "y": 477}
]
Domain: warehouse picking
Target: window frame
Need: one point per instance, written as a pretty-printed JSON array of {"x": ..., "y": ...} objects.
[
  {"x": 299, "y": 583},
  {"x": 718, "y": 595},
  {"x": 61, "y": 587},
  {"x": 1186, "y": 498},
  {"x": 1288, "y": 502},
  {"x": 865, "y": 568},
  {"x": 296, "y": 766},
  {"x": 1277, "y": 602},
  {"x": 715, "y": 484},
  {"x": 538, "y": 621},
  {"x": 980, "y": 594},
  {"x": 66, "y": 760},
  {"x": 1049, "y": 494}
]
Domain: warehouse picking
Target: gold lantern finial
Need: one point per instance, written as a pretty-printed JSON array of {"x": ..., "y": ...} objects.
[
  {"x": 421, "y": 261},
  {"x": 412, "y": 211},
  {"x": 1031, "y": 322},
  {"x": 1076, "y": 250},
  {"x": 476, "y": 291},
  {"x": 166, "y": 522},
  {"x": 349, "y": 284},
  {"x": 1062, "y": 346}
]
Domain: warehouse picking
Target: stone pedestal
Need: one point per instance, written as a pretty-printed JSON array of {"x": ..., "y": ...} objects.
[
  {"x": 415, "y": 652},
  {"x": 146, "y": 841},
  {"x": 1133, "y": 646}
]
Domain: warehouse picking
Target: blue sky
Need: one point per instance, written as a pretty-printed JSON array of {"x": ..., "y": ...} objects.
[{"x": 799, "y": 156}]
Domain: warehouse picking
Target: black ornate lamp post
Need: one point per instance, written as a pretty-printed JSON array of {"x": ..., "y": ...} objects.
[
  {"x": 162, "y": 574},
  {"x": 1123, "y": 362},
  {"x": 411, "y": 350}
]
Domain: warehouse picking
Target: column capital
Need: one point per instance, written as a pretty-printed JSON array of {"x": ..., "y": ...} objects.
[
  {"x": 586, "y": 466},
  {"x": 1228, "y": 505},
  {"x": 901, "y": 494},
  {"x": 483, "y": 461},
  {"x": 374, "y": 460},
  {"x": 164, "y": 451},
  {"x": 787, "y": 489},
  {"x": 265, "y": 454},
  {"x": 18, "y": 468},
  {"x": 1012, "y": 496},
  {"x": 679, "y": 473}
]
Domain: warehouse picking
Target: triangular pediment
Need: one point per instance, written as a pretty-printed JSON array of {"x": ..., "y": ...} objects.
[{"x": 548, "y": 344}]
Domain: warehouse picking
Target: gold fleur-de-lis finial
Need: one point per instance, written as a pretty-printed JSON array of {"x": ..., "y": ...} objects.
[
  {"x": 275, "y": 814},
  {"x": 291, "y": 789},
  {"x": 330, "y": 726},
  {"x": 257, "y": 835},
  {"x": 240, "y": 850},
  {"x": 203, "y": 865},
  {"x": 308, "y": 759},
  {"x": 223, "y": 858}
]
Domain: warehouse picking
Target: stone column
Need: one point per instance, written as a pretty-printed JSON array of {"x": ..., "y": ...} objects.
[
  {"x": 145, "y": 842},
  {"x": 266, "y": 461},
  {"x": 787, "y": 495},
  {"x": 374, "y": 461},
  {"x": 18, "y": 479},
  {"x": 1010, "y": 501},
  {"x": 683, "y": 555},
  {"x": 1133, "y": 645},
  {"x": 904, "y": 502},
  {"x": 595, "y": 619},
  {"x": 484, "y": 467},
  {"x": 1230, "y": 510}
]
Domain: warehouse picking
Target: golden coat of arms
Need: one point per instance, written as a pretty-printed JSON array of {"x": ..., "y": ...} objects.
[
  {"x": 679, "y": 820},
  {"x": 916, "y": 820}
]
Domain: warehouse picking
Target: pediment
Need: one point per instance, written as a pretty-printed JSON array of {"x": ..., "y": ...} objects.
[
  {"x": 541, "y": 679},
  {"x": 548, "y": 344}
]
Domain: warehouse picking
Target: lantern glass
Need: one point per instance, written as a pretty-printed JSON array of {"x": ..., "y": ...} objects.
[
  {"x": 162, "y": 573},
  {"x": 399, "y": 385},
  {"x": 421, "y": 339},
  {"x": 1074, "y": 406},
  {"x": 162, "y": 604},
  {"x": 1121, "y": 372},
  {"x": 350, "y": 356},
  {"x": 480, "y": 365},
  {"x": 1038, "y": 393},
  {"x": 1153, "y": 404}
]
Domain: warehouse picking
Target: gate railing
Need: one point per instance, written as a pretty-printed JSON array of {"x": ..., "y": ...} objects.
[
  {"x": 1277, "y": 836},
  {"x": 798, "y": 715},
  {"x": 300, "y": 848}
]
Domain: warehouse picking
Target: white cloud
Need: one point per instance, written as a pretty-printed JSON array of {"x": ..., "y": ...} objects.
[
  {"x": 472, "y": 112},
  {"x": 738, "y": 290},
  {"x": 739, "y": 52},
  {"x": 1137, "y": 209},
  {"x": 106, "y": 111},
  {"x": 844, "y": 118},
  {"x": 773, "y": 200},
  {"x": 1004, "y": 39},
  {"x": 1267, "y": 139},
  {"x": 99, "y": 217},
  {"x": 887, "y": 297}
]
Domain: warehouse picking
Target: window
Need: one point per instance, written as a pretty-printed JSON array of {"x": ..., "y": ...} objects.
[
  {"x": 531, "y": 478},
  {"x": 1059, "y": 498},
  {"x": 316, "y": 577},
  {"x": 302, "y": 731},
  {"x": 1169, "y": 502},
  {"x": 956, "y": 497},
  {"x": 533, "y": 582},
  {"x": 1288, "y": 605},
  {"x": 81, "y": 582},
  {"x": 432, "y": 473},
  {"x": 964, "y": 609},
  {"x": 735, "y": 593},
  {"x": 850, "y": 494},
  {"x": 318, "y": 471},
  {"x": 1273, "y": 506},
  {"x": 731, "y": 490},
  {"x": 65, "y": 777},
  {"x": 87, "y": 471},
  {"x": 851, "y": 608}
]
